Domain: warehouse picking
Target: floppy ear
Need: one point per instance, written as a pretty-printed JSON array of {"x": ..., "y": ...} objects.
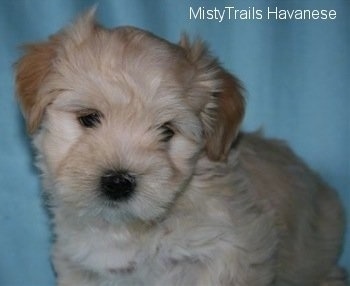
[
  {"x": 37, "y": 63},
  {"x": 223, "y": 107},
  {"x": 228, "y": 117},
  {"x": 31, "y": 70}
]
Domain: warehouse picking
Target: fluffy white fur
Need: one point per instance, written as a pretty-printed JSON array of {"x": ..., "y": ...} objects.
[{"x": 210, "y": 207}]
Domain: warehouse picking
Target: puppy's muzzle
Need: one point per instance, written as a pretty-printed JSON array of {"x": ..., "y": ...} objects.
[{"x": 118, "y": 185}]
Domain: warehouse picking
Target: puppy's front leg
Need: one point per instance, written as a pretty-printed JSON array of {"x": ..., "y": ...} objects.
[
  {"x": 68, "y": 275},
  {"x": 217, "y": 273},
  {"x": 186, "y": 274}
]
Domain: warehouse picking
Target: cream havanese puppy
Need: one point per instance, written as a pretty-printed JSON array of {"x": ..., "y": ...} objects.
[{"x": 148, "y": 179}]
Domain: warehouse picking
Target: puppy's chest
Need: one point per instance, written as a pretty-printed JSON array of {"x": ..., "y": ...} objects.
[
  {"x": 122, "y": 256},
  {"x": 105, "y": 252}
]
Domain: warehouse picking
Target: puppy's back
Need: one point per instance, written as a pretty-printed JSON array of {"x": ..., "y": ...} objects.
[{"x": 307, "y": 213}]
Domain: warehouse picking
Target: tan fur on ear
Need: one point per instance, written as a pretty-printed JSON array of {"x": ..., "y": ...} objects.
[
  {"x": 31, "y": 70},
  {"x": 229, "y": 114},
  {"x": 219, "y": 96},
  {"x": 36, "y": 64}
]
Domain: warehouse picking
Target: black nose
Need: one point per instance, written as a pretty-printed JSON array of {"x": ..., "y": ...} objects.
[{"x": 118, "y": 185}]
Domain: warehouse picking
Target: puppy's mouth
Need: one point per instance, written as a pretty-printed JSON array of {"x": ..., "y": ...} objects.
[{"x": 117, "y": 186}]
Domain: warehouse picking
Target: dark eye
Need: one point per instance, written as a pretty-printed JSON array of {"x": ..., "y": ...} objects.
[
  {"x": 90, "y": 120},
  {"x": 167, "y": 132}
]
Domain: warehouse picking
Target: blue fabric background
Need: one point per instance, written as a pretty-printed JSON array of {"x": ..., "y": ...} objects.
[{"x": 296, "y": 73}]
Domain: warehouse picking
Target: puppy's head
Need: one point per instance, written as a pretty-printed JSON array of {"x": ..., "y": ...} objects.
[{"x": 120, "y": 117}]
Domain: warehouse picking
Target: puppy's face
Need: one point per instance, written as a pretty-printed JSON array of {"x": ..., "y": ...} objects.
[{"x": 120, "y": 117}]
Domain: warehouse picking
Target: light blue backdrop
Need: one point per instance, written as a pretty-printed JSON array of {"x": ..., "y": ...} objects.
[{"x": 297, "y": 76}]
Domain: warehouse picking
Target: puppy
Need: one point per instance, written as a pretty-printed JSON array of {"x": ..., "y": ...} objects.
[{"x": 149, "y": 181}]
